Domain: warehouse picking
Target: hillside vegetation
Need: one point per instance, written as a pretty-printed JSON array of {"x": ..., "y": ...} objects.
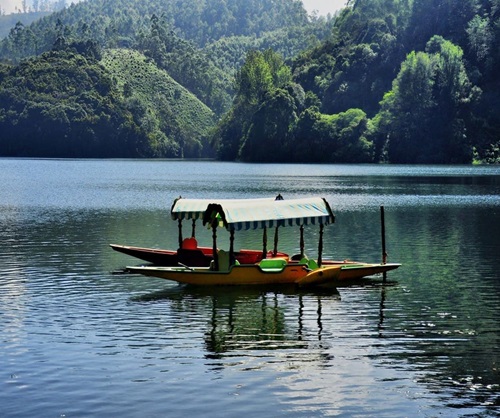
[
  {"x": 64, "y": 104},
  {"x": 403, "y": 81},
  {"x": 176, "y": 121},
  {"x": 399, "y": 81}
]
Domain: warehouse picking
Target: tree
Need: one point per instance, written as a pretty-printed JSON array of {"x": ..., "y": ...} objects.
[
  {"x": 267, "y": 139},
  {"x": 254, "y": 79},
  {"x": 407, "y": 106},
  {"x": 424, "y": 115},
  {"x": 332, "y": 138},
  {"x": 480, "y": 36},
  {"x": 261, "y": 83}
]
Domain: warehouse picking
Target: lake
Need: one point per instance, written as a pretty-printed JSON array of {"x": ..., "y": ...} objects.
[{"x": 77, "y": 339}]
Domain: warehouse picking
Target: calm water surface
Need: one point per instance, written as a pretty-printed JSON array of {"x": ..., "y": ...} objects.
[{"x": 77, "y": 340}]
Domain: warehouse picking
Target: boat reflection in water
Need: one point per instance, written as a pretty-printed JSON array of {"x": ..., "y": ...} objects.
[{"x": 242, "y": 319}]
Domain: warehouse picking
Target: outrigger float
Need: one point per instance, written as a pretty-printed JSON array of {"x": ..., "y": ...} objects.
[{"x": 250, "y": 267}]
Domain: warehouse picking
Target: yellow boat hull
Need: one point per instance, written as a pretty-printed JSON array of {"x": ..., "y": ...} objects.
[{"x": 250, "y": 274}]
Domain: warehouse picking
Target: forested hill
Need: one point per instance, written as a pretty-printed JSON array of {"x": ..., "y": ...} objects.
[
  {"x": 399, "y": 81},
  {"x": 48, "y": 108},
  {"x": 406, "y": 81}
]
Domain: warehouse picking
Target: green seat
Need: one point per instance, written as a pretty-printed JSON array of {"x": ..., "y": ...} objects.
[
  {"x": 312, "y": 264},
  {"x": 272, "y": 264}
]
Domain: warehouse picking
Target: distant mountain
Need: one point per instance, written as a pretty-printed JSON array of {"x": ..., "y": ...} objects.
[
  {"x": 8, "y": 22},
  {"x": 196, "y": 41}
]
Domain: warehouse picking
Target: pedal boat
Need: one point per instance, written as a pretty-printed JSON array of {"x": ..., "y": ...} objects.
[{"x": 272, "y": 271}]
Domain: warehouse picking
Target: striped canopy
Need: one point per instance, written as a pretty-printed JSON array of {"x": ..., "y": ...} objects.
[
  {"x": 195, "y": 208},
  {"x": 244, "y": 214}
]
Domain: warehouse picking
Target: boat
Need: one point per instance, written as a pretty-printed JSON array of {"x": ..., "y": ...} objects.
[
  {"x": 350, "y": 270},
  {"x": 190, "y": 254},
  {"x": 194, "y": 257},
  {"x": 244, "y": 214}
]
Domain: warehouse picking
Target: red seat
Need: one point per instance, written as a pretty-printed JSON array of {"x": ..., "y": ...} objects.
[{"x": 189, "y": 244}]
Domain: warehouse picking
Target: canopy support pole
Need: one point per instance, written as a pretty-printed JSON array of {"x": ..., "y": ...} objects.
[
  {"x": 302, "y": 240},
  {"x": 180, "y": 232},
  {"x": 214, "y": 245},
  {"x": 193, "y": 229},
  {"x": 320, "y": 244},
  {"x": 275, "y": 251},
  {"x": 264, "y": 243},
  {"x": 231, "y": 247}
]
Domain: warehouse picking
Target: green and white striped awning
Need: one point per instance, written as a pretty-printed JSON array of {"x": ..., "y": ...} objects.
[
  {"x": 195, "y": 208},
  {"x": 244, "y": 214}
]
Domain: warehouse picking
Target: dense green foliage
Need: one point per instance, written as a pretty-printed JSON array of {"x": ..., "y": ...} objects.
[
  {"x": 423, "y": 115},
  {"x": 398, "y": 81},
  {"x": 404, "y": 81},
  {"x": 188, "y": 61},
  {"x": 65, "y": 105},
  {"x": 176, "y": 122}
]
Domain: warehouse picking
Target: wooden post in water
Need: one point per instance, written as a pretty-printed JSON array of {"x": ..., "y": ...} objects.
[{"x": 384, "y": 252}]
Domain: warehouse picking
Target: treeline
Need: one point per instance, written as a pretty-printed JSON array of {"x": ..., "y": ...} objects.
[
  {"x": 7, "y": 22},
  {"x": 402, "y": 81}
]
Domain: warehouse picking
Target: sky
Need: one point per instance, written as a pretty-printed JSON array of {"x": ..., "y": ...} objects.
[
  {"x": 323, "y": 6},
  {"x": 8, "y": 6}
]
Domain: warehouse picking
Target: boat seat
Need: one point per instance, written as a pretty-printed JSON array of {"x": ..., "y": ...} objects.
[
  {"x": 312, "y": 264},
  {"x": 272, "y": 264},
  {"x": 189, "y": 244},
  {"x": 303, "y": 259}
]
